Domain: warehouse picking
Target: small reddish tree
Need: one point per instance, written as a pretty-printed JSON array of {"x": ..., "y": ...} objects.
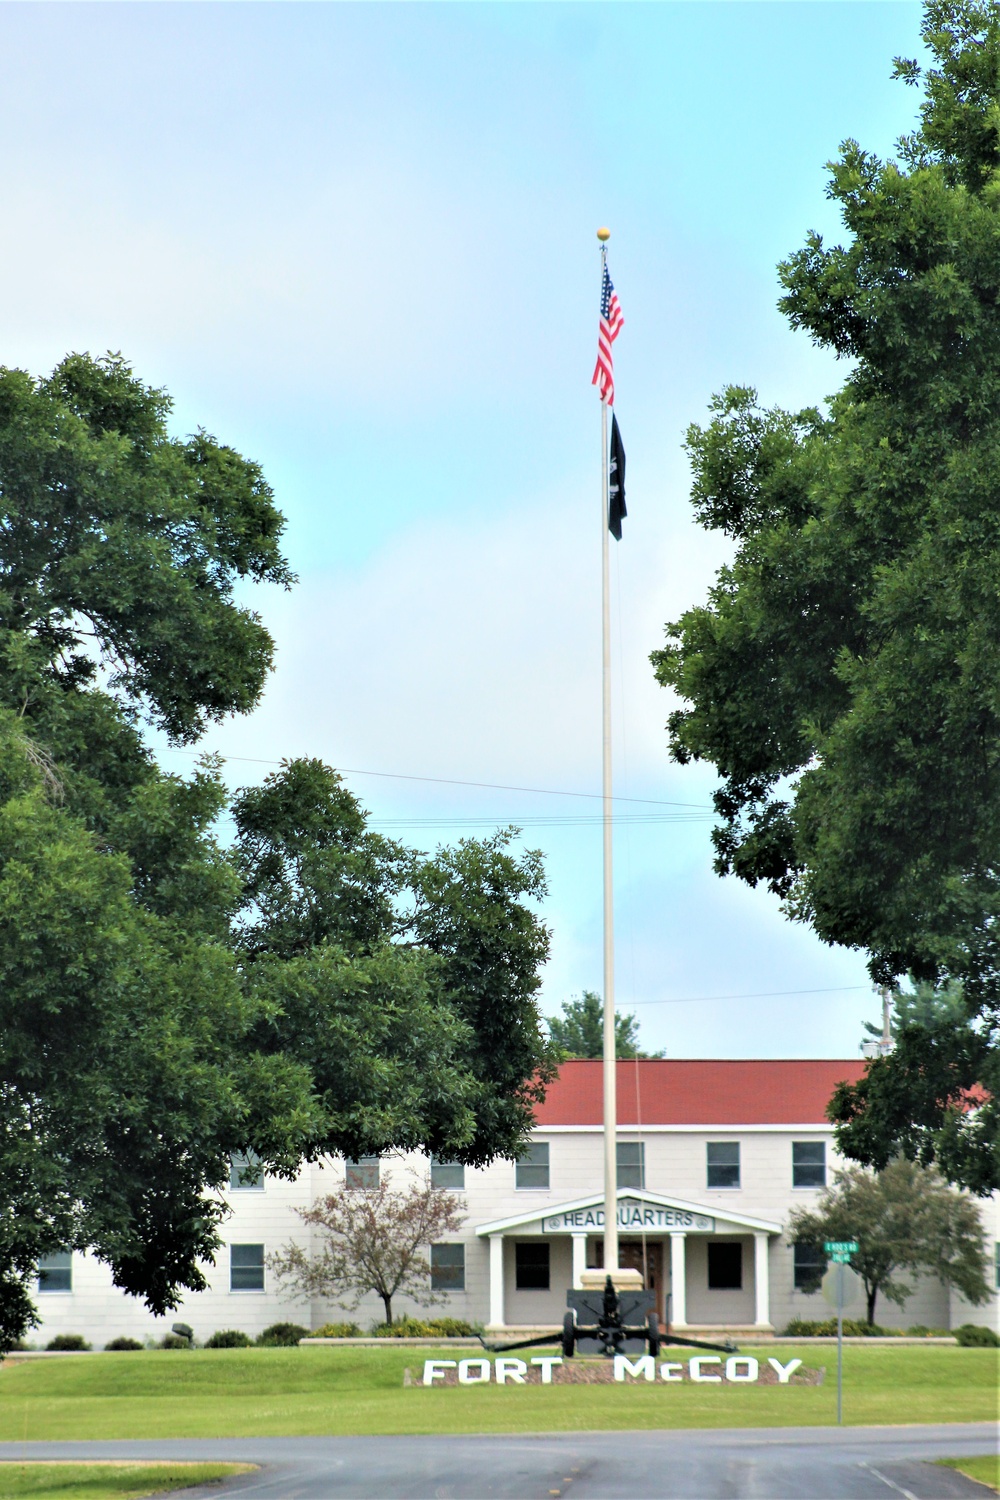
[{"x": 372, "y": 1241}]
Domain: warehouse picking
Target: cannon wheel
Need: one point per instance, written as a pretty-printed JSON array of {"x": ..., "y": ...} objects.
[
  {"x": 653, "y": 1334},
  {"x": 569, "y": 1334}
]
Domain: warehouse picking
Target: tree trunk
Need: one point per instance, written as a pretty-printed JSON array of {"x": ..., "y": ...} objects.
[
  {"x": 387, "y": 1300},
  {"x": 871, "y": 1295}
]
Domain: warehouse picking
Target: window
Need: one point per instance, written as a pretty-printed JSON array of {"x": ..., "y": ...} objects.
[
  {"x": 246, "y": 1175},
  {"x": 447, "y": 1268},
  {"x": 361, "y": 1174},
  {"x": 723, "y": 1164},
  {"x": 810, "y": 1264},
  {"x": 631, "y": 1158},
  {"x": 531, "y": 1265},
  {"x": 55, "y": 1272},
  {"x": 447, "y": 1174},
  {"x": 809, "y": 1164},
  {"x": 532, "y": 1171},
  {"x": 725, "y": 1265},
  {"x": 246, "y": 1268}
]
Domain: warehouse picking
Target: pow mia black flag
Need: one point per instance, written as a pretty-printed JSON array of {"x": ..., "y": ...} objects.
[{"x": 616, "y": 482}]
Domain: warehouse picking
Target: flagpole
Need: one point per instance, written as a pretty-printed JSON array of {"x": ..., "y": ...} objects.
[{"x": 610, "y": 1078}]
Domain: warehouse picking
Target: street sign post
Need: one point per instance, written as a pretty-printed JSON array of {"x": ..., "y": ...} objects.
[{"x": 840, "y": 1288}]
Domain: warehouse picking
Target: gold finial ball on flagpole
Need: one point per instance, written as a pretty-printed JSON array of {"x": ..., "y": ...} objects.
[{"x": 604, "y": 235}]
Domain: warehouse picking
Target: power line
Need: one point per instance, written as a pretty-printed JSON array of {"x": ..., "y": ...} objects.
[
  {"x": 699, "y": 813},
  {"x": 838, "y": 989},
  {"x": 492, "y": 786},
  {"x": 553, "y": 820}
]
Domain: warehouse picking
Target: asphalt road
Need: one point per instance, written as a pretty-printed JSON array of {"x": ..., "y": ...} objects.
[{"x": 805, "y": 1463}]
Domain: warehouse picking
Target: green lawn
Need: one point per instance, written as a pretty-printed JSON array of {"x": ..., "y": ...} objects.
[
  {"x": 986, "y": 1469},
  {"x": 123, "y": 1481},
  {"x": 265, "y": 1392}
]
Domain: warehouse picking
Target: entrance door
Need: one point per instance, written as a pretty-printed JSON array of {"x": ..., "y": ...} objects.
[{"x": 650, "y": 1268}]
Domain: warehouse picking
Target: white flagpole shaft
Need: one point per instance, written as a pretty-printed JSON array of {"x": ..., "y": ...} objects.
[{"x": 610, "y": 1079}]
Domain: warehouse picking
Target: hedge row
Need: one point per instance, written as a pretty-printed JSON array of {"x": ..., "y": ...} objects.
[
  {"x": 402, "y": 1328},
  {"x": 969, "y": 1335},
  {"x": 287, "y": 1335},
  {"x": 283, "y": 1335}
]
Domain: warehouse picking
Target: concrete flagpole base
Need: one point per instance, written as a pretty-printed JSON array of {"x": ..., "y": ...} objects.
[{"x": 623, "y": 1278}]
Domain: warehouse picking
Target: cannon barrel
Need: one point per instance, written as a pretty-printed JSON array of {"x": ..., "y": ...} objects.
[{"x": 613, "y": 1327}]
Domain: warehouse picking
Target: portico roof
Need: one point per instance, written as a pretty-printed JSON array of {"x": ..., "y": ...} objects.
[{"x": 595, "y": 1201}]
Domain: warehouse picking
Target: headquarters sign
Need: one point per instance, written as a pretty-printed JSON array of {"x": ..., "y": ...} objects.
[{"x": 633, "y": 1213}]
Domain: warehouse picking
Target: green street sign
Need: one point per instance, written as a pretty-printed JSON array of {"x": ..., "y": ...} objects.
[
  {"x": 849, "y": 1247},
  {"x": 842, "y": 1257}
]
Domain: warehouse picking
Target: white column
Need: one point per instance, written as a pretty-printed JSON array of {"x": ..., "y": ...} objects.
[
  {"x": 579, "y": 1259},
  {"x": 761, "y": 1283},
  {"x": 496, "y": 1281},
  {"x": 678, "y": 1283}
]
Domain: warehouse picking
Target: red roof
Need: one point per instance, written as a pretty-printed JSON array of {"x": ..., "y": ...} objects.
[{"x": 683, "y": 1091}]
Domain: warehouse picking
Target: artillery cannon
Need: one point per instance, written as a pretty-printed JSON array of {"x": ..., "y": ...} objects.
[{"x": 610, "y": 1322}]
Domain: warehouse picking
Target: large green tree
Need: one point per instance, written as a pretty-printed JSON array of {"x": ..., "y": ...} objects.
[
  {"x": 579, "y": 1031},
  {"x": 125, "y": 1076},
  {"x": 167, "y": 1001},
  {"x": 923, "y": 1004},
  {"x": 844, "y": 676},
  {"x": 120, "y": 548},
  {"x": 405, "y": 983}
]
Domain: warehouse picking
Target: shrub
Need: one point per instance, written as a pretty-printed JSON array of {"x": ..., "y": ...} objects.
[
  {"x": 229, "y": 1338},
  {"x": 975, "y": 1336},
  {"x": 68, "y": 1341},
  {"x": 420, "y": 1328},
  {"x": 403, "y": 1328},
  {"x": 173, "y": 1341},
  {"x": 802, "y": 1328},
  {"x": 282, "y": 1335},
  {"x": 124, "y": 1343},
  {"x": 337, "y": 1331}
]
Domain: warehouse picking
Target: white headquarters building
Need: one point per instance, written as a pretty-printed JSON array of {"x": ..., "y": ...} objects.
[{"x": 712, "y": 1157}]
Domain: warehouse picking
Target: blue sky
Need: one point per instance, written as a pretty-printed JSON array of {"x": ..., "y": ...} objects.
[{"x": 357, "y": 242}]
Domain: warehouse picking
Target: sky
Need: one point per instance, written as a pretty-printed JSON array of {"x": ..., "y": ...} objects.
[{"x": 357, "y": 243}]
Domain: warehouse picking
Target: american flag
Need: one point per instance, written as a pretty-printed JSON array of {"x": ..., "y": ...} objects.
[{"x": 610, "y": 327}]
